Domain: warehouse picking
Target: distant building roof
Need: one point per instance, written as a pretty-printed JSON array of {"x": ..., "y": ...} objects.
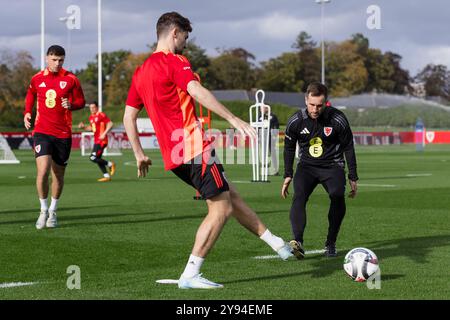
[
  {"x": 231, "y": 95},
  {"x": 297, "y": 99}
]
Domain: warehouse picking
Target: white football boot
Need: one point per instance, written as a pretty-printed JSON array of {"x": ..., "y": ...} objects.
[
  {"x": 40, "y": 223},
  {"x": 197, "y": 282},
  {"x": 52, "y": 221}
]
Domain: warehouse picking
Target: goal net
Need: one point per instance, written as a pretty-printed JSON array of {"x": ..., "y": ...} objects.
[
  {"x": 87, "y": 143},
  {"x": 6, "y": 154}
]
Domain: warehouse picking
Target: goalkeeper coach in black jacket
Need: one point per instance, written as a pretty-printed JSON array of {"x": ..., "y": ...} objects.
[{"x": 324, "y": 136}]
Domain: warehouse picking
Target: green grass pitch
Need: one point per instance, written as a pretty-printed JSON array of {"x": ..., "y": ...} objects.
[{"x": 126, "y": 234}]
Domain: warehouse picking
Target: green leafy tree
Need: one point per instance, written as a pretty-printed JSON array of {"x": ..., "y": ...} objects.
[
  {"x": 16, "y": 71},
  {"x": 436, "y": 79},
  {"x": 120, "y": 81},
  {"x": 282, "y": 73},
  {"x": 232, "y": 69},
  {"x": 346, "y": 71},
  {"x": 89, "y": 76},
  {"x": 309, "y": 56}
]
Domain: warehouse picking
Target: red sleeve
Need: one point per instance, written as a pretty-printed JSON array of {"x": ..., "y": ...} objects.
[
  {"x": 105, "y": 118},
  {"x": 30, "y": 98},
  {"x": 181, "y": 71},
  {"x": 77, "y": 100},
  {"x": 133, "y": 99}
]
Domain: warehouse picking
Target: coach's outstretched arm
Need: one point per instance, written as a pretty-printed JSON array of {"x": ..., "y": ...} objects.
[
  {"x": 207, "y": 99},
  {"x": 129, "y": 121}
]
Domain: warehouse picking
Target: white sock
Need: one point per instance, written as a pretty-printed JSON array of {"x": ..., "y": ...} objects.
[
  {"x": 193, "y": 266},
  {"x": 106, "y": 175},
  {"x": 273, "y": 241},
  {"x": 44, "y": 205},
  {"x": 53, "y": 205},
  {"x": 109, "y": 164}
]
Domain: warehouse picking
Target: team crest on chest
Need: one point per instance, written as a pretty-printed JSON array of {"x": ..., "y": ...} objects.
[
  {"x": 62, "y": 84},
  {"x": 327, "y": 131}
]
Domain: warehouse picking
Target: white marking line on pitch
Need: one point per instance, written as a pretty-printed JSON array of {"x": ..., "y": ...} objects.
[
  {"x": 277, "y": 256},
  {"x": 377, "y": 185},
  {"x": 16, "y": 284},
  {"x": 419, "y": 174},
  {"x": 167, "y": 281}
]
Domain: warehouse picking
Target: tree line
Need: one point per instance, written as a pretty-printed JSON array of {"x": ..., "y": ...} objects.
[{"x": 352, "y": 67}]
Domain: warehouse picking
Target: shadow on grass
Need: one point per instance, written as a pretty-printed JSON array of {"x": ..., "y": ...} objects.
[
  {"x": 124, "y": 222},
  {"x": 63, "y": 218},
  {"x": 415, "y": 248},
  {"x": 396, "y": 177},
  {"x": 36, "y": 209}
]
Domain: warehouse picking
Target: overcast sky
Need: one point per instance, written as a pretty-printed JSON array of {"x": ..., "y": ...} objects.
[{"x": 418, "y": 30}]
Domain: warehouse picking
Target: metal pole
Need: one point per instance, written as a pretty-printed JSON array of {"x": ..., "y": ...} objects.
[
  {"x": 322, "y": 9},
  {"x": 42, "y": 34},
  {"x": 321, "y": 33},
  {"x": 99, "y": 67}
]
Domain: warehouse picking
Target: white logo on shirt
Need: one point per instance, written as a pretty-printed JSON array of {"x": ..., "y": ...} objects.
[
  {"x": 186, "y": 68},
  {"x": 42, "y": 85},
  {"x": 305, "y": 131},
  {"x": 62, "y": 84}
]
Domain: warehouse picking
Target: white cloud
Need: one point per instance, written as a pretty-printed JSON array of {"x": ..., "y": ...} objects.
[{"x": 280, "y": 26}]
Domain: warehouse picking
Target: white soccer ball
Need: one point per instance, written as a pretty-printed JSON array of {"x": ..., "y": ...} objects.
[{"x": 360, "y": 264}]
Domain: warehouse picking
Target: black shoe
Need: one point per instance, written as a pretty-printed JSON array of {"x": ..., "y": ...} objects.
[
  {"x": 330, "y": 250},
  {"x": 297, "y": 249}
]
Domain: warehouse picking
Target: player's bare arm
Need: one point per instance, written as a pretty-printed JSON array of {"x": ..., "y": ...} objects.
[
  {"x": 108, "y": 128},
  {"x": 129, "y": 121},
  {"x": 206, "y": 98}
]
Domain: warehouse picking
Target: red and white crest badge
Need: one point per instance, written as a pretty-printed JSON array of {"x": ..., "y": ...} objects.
[
  {"x": 327, "y": 131},
  {"x": 63, "y": 84},
  {"x": 37, "y": 148}
]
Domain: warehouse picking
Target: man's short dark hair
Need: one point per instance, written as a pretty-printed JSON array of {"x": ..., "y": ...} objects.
[
  {"x": 94, "y": 102},
  {"x": 317, "y": 89},
  {"x": 56, "y": 51},
  {"x": 170, "y": 19}
]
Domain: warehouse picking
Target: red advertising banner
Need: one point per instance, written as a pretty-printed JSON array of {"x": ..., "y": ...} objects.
[{"x": 24, "y": 140}]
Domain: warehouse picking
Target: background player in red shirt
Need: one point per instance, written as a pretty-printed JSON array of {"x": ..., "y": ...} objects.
[
  {"x": 166, "y": 86},
  {"x": 100, "y": 125},
  {"x": 58, "y": 92}
]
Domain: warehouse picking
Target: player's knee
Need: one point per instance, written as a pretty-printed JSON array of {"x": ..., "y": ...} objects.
[
  {"x": 93, "y": 158},
  {"x": 227, "y": 211},
  {"x": 337, "y": 195}
]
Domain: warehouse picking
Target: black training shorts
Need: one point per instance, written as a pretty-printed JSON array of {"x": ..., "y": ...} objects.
[
  {"x": 58, "y": 148},
  {"x": 97, "y": 151},
  {"x": 208, "y": 178}
]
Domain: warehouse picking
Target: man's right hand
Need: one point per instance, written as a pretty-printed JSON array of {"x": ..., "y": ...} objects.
[
  {"x": 285, "y": 187},
  {"x": 243, "y": 127},
  {"x": 27, "y": 120},
  {"x": 142, "y": 165}
]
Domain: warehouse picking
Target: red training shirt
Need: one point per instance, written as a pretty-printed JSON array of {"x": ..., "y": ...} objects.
[
  {"x": 160, "y": 84},
  {"x": 49, "y": 88},
  {"x": 98, "y": 123}
]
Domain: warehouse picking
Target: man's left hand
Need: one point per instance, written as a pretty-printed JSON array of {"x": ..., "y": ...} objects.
[
  {"x": 65, "y": 103},
  {"x": 354, "y": 189}
]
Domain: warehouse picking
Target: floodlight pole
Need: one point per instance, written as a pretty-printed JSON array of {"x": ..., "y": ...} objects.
[
  {"x": 99, "y": 55},
  {"x": 42, "y": 34},
  {"x": 322, "y": 3}
]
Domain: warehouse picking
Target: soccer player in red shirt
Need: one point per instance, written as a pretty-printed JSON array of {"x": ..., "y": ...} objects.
[
  {"x": 100, "y": 125},
  {"x": 166, "y": 86},
  {"x": 57, "y": 93}
]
